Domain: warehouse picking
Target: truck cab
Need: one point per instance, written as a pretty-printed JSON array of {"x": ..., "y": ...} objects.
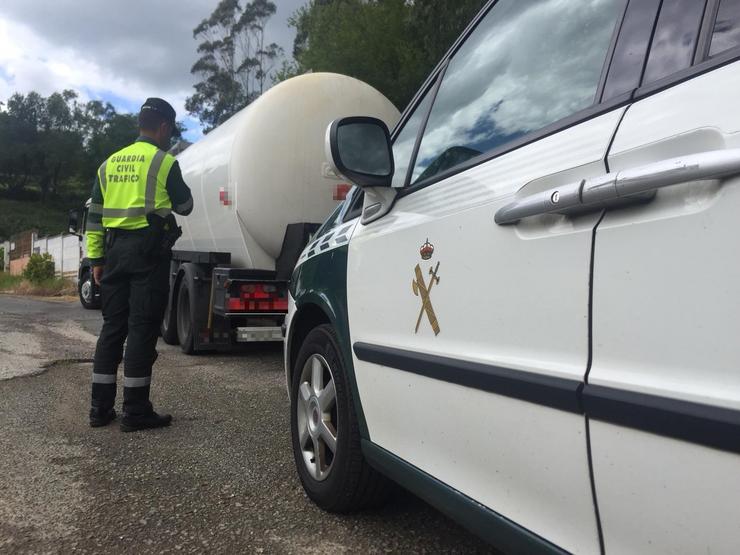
[{"x": 88, "y": 292}]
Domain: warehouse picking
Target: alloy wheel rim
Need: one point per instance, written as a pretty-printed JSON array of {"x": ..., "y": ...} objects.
[
  {"x": 316, "y": 412},
  {"x": 87, "y": 290}
]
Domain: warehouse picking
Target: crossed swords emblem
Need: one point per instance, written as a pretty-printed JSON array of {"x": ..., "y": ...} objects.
[{"x": 421, "y": 289}]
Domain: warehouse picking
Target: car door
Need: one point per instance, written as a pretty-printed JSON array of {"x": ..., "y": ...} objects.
[
  {"x": 470, "y": 339},
  {"x": 663, "y": 393}
]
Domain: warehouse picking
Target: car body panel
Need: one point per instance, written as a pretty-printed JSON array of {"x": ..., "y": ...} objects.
[
  {"x": 666, "y": 321},
  {"x": 527, "y": 462}
]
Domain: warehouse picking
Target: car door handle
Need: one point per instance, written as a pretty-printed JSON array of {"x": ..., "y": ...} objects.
[{"x": 623, "y": 187}]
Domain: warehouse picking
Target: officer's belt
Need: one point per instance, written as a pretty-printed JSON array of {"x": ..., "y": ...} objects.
[{"x": 114, "y": 232}]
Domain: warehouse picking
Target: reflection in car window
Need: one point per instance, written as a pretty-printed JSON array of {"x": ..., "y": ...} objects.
[
  {"x": 727, "y": 27},
  {"x": 526, "y": 65},
  {"x": 403, "y": 146},
  {"x": 675, "y": 37}
]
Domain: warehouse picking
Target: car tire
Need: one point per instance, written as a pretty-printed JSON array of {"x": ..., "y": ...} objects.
[
  {"x": 168, "y": 329},
  {"x": 86, "y": 289},
  {"x": 185, "y": 317},
  {"x": 338, "y": 480}
]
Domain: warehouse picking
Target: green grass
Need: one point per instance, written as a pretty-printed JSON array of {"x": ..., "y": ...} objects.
[
  {"x": 8, "y": 282},
  {"x": 16, "y": 216}
]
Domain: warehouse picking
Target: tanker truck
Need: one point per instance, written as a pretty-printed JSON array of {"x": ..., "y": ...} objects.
[{"x": 261, "y": 186}]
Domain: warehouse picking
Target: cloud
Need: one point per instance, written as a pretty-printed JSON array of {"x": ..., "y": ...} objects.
[{"x": 117, "y": 52}]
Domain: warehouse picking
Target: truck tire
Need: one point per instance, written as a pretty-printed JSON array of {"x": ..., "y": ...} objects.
[
  {"x": 87, "y": 289},
  {"x": 338, "y": 480},
  {"x": 185, "y": 316},
  {"x": 168, "y": 328}
]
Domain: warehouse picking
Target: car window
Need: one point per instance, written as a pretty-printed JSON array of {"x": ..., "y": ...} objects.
[
  {"x": 674, "y": 40},
  {"x": 355, "y": 208},
  {"x": 632, "y": 45},
  {"x": 330, "y": 222},
  {"x": 403, "y": 145},
  {"x": 726, "y": 33},
  {"x": 525, "y": 66}
]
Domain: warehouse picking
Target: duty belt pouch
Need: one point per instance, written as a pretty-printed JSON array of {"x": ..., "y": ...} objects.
[
  {"x": 162, "y": 234},
  {"x": 154, "y": 236}
]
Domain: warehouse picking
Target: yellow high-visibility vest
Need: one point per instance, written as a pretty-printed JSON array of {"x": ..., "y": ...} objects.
[{"x": 133, "y": 182}]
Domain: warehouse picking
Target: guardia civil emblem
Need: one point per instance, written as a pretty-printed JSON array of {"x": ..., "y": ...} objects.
[{"x": 423, "y": 289}]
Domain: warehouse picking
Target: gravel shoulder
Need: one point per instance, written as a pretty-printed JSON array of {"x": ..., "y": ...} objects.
[{"x": 221, "y": 479}]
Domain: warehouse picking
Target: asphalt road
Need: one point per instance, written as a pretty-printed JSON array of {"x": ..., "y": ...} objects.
[{"x": 220, "y": 480}]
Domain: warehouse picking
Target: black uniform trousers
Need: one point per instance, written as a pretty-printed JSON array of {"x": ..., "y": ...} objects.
[{"x": 133, "y": 292}]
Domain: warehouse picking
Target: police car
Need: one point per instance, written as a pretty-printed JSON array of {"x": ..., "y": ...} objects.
[{"x": 529, "y": 312}]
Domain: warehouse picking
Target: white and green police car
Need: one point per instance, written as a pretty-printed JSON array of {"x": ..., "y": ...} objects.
[{"x": 529, "y": 311}]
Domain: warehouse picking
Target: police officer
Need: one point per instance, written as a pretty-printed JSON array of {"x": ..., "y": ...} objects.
[{"x": 135, "y": 191}]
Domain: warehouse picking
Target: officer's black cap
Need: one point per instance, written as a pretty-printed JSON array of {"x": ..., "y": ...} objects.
[{"x": 161, "y": 107}]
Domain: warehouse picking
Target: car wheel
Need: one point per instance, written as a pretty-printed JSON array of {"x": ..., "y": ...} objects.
[
  {"x": 325, "y": 432},
  {"x": 168, "y": 328},
  {"x": 87, "y": 289},
  {"x": 185, "y": 318}
]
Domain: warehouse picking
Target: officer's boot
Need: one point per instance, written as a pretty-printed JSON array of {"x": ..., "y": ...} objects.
[
  {"x": 103, "y": 398},
  {"x": 138, "y": 413},
  {"x": 100, "y": 416},
  {"x": 132, "y": 421}
]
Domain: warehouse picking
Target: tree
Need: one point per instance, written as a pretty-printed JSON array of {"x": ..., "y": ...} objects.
[
  {"x": 390, "y": 44},
  {"x": 18, "y": 135},
  {"x": 235, "y": 62},
  {"x": 354, "y": 37},
  {"x": 54, "y": 145}
]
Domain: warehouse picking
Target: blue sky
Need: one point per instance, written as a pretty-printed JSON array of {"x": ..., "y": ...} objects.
[{"x": 104, "y": 52}]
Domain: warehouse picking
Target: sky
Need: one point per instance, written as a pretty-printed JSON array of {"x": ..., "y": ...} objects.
[{"x": 121, "y": 52}]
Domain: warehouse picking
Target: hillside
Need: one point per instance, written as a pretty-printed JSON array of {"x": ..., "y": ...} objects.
[{"x": 18, "y": 216}]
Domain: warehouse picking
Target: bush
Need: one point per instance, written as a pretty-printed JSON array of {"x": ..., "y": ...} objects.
[{"x": 39, "y": 268}]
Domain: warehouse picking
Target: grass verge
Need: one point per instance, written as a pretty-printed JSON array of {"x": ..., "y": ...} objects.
[
  {"x": 54, "y": 287},
  {"x": 8, "y": 282}
]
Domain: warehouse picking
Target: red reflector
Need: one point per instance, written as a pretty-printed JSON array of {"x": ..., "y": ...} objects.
[{"x": 341, "y": 190}]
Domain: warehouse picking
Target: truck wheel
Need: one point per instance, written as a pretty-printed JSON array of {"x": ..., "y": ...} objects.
[
  {"x": 325, "y": 433},
  {"x": 87, "y": 289},
  {"x": 169, "y": 322},
  {"x": 185, "y": 316}
]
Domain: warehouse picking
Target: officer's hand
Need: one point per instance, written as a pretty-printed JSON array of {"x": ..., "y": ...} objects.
[{"x": 97, "y": 274}]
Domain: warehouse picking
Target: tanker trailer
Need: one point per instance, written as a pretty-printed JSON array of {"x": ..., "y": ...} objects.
[{"x": 261, "y": 186}]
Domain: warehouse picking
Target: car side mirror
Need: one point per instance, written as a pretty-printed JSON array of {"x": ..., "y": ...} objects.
[
  {"x": 359, "y": 148},
  {"x": 74, "y": 222}
]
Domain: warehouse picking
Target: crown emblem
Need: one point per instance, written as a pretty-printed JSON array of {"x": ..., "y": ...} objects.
[{"x": 427, "y": 250}]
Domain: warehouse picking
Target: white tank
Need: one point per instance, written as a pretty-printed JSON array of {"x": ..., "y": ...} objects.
[{"x": 265, "y": 167}]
